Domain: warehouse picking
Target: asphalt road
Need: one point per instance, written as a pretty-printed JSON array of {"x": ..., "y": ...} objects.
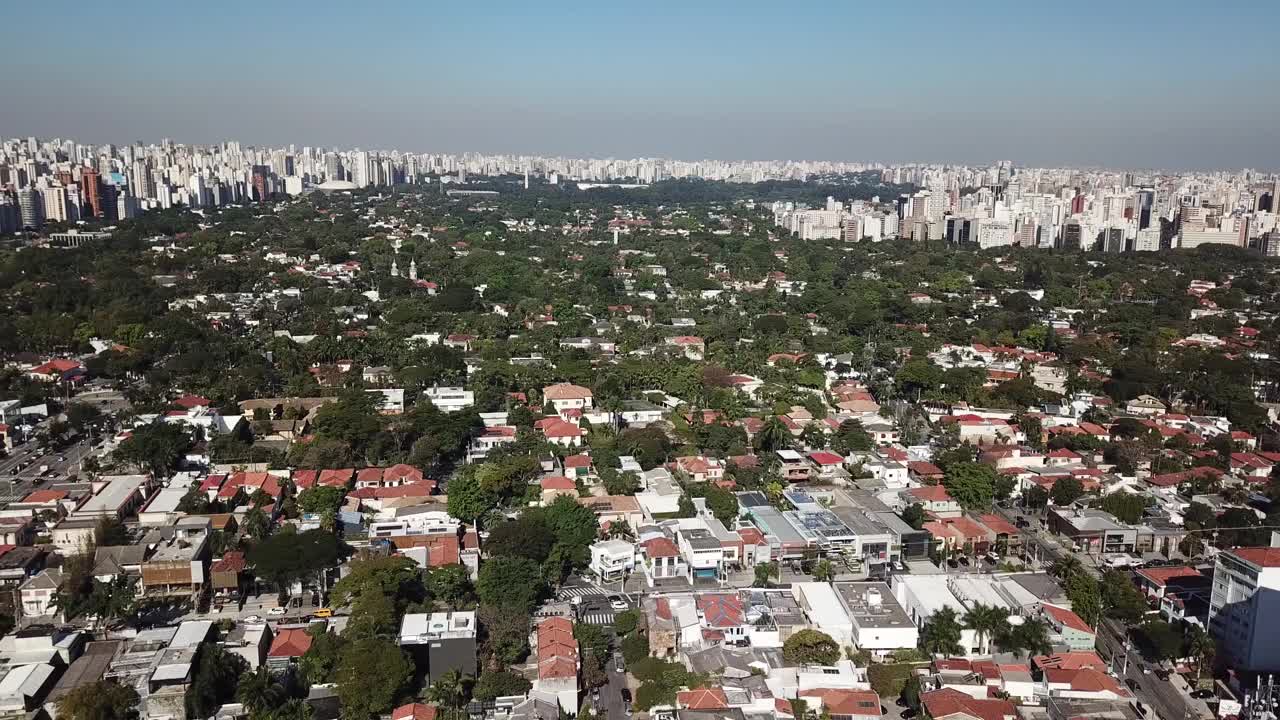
[
  {"x": 1156, "y": 694},
  {"x": 16, "y": 484}
]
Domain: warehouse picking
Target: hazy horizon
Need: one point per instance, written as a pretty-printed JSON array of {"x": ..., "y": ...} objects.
[{"x": 1141, "y": 85}]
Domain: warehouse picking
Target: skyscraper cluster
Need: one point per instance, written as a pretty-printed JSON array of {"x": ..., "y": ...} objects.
[
  {"x": 1056, "y": 208},
  {"x": 58, "y": 180}
]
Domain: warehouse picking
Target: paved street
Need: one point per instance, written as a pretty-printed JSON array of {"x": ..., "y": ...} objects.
[{"x": 20, "y": 471}]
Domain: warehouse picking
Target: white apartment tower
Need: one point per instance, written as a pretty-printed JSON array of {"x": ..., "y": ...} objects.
[{"x": 1246, "y": 591}]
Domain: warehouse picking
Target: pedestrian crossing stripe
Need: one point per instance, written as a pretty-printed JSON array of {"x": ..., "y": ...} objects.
[
  {"x": 598, "y": 618},
  {"x": 569, "y": 592}
]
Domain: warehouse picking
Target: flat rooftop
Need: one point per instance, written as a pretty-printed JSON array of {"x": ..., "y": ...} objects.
[{"x": 872, "y": 605}]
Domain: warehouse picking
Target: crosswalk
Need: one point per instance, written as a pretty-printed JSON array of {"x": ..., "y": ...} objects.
[
  {"x": 566, "y": 593},
  {"x": 598, "y": 618}
]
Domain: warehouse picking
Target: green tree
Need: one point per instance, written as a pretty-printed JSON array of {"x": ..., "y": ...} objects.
[
  {"x": 851, "y": 437},
  {"x": 773, "y": 435},
  {"x": 810, "y": 647},
  {"x": 319, "y": 664},
  {"x": 823, "y": 571},
  {"x": 914, "y": 516},
  {"x": 395, "y": 577},
  {"x": 971, "y": 484},
  {"x": 941, "y": 634},
  {"x": 723, "y": 504},
  {"x": 154, "y": 448},
  {"x": 321, "y": 499},
  {"x": 765, "y": 573},
  {"x": 499, "y": 683},
  {"x": 451, "y": 586},
  {"x": 1035, "y": 497},
  {"x": 510, "y": 582},
  {"x": 1120, "y": 598},
  {"x": 1066, "y": 491},
  {"x": 527, "y": 536},
  {"x": 370, "y": 677},
  {"x": 1086, "y": 599},
  {"x": 99, "y": 700},
  {"x": 259, "y": 691},
  {"x": 911, "y": 692},
  {"x": 449, "y": 691},
  {"x": 1127, "y": 507},
  {"x": 214, "y": 681},
  {"x": 468, "y": 499},
  {"x": 635, "y": 647},
  {"x": 986, "y": 621},
  {"x": 287, "y": 556},
  {"x": 504, "y": 634},
  {"x": 625, "y": 622},
  {"x": 1158, "y": 640}
]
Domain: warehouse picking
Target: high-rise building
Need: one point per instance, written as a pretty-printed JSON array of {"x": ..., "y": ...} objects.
[
  {"x": 91, "y": 190},
  {"x": 1072, "y": 235},
  {"x": 31, "y": 208},
  {"x": 360, "y": 169},
  {"x": 1246, "y": 591},
  {"x": 260, "y": 190}
]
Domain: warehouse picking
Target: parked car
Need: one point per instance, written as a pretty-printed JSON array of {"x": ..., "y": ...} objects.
[
  {"x": 323, "y": 613},
  {"x": 252, "y": 620},
  {"x": 277, "y": 611}
]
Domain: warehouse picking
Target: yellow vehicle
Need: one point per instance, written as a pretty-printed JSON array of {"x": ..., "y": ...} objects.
[{"x": 323, "y": 613}]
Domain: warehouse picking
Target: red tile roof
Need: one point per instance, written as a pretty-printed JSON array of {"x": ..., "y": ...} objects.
[
  {"x": 826, "y": 458},
  {"x": 860, "y": 703},
  {"x": 702, "y": 699},
  {"x": 290, "y": 643},
  {"x": 558, "y": 482},
  {"x": 660, "y": 547},
  {"x": 557, "y": 650},
  {"x": 1074, "y": 660},
  {"x": 45, "y": 496},
  {"x": 721, "y": 610},
  {"x": 948, "y": 702},
  {"x": 1067, "y": 618},
  {"x": 1261, "y": 556},
  {"x": 230, "y": 562},
  {"x": 442, "y": 548},
  {"x": 1162, "y": 575},
  {"x": 927, "y": 469},
  {"x": 932, "y": 493},
  {"x": 997, "y": 524},
  {"x": 414, "y": 711}
]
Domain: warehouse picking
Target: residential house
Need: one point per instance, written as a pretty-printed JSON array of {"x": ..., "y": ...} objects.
[
  {"x": 557, "y": 656},
  {"x": 566, "y": 396},
  {"x": 287, "y": 647},
  {"x": 1068, "y": 628}
]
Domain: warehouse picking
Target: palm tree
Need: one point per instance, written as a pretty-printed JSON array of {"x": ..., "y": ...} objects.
[
  {"x": 293, "y": 709},
  {"x": 823, "y": 571},
  {"x": 1200, "y": 646},
  {"x": 987, "y": 621},
  {"x": 1030, "y": 637},
  {"x": 1066, "y": 566},
  {"x": 259, "y": 691},
  {"x": 765, "y": 572},
  {"x": 773, "y": 435},
  {"x": 449, "y": 690},
  {"x": 941, "y": 634}
]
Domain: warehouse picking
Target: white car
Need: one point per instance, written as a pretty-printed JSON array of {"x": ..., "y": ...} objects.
[
  {"x": 253, "y": 620},
  {"x": 617, "y": 603},
  {"x": 277, "y": 611}
]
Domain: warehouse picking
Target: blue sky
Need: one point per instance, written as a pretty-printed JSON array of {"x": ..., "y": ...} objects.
[{"x": 1169, "y": 84}]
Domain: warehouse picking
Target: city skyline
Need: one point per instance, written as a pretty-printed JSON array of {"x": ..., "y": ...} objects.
[{"x": 1045, "y": 87}]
